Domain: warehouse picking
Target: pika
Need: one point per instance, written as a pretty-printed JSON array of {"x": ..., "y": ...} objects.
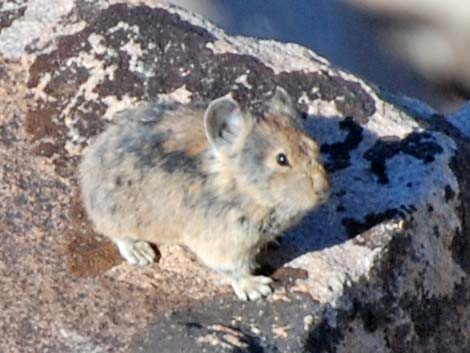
[{"x": 220, "y": 181}]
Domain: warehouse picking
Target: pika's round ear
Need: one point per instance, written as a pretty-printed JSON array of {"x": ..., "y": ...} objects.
[
  {"x": 282, "y": 103},
  {"x": 224, "y": 123}
]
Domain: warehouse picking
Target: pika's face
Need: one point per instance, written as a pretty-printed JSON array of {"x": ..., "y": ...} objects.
[
  {"x": 271, "y": 160},
  {"x": 280, "y": 167}
]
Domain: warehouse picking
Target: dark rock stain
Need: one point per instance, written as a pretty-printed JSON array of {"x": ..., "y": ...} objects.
[
  {"x": 449, "y": 193},
  {"x": 435, "y": 231},
  {"x": 338, "y": 152},
  {"x": 7, "y": 17},
  {"x": 323, "y": 339},
  {"x": 46, "y": 149},
  {"x": 354, "y": 227},
  {"x": 349, "y": 97},
  {"x": 420, "y": 145}
]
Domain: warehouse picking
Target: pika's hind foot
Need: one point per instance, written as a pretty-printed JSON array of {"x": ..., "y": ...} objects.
[
  {"x": 252, "y": 287},
  {"x": 136, "y": 252}
]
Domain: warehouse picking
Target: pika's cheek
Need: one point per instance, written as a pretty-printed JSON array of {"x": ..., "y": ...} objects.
[
  {"x": 282, "y": 187},
  {"x": 299, "y": 192}
]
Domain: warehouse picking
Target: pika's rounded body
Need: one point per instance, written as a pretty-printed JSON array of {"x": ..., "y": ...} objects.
[{"x": 219, "y": 181}]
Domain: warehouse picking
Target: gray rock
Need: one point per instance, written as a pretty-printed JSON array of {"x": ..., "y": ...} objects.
[{"x": 382, "y": 267}]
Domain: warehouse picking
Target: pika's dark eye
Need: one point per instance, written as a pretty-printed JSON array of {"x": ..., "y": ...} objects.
[{"x": 281, "y": 159}]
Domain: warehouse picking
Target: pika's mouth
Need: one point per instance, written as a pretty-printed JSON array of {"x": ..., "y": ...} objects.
[{"x": 323, "y": 196}]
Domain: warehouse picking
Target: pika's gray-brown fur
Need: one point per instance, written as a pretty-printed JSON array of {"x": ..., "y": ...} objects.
[{"x": 221, "y": 182}]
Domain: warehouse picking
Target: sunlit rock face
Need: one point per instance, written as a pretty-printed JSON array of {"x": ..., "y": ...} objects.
[{"x": 381, "y": 267}]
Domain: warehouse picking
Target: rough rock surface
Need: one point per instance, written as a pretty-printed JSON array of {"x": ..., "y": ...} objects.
[{"x": 383, "y": 267}]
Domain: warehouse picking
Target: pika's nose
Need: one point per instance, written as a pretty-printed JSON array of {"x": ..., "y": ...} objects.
[
  {"x": 323, "y": 195},
  {"x": 321, "y": 184}
]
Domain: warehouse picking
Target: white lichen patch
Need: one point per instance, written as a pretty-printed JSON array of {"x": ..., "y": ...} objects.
[
  {"x": 74, "y": 139},
  {"x": 319, "y": 107},
  {"x": 149, "y": 3},
  {"x": 243, "y": 80},
  {"x": 39, "y": 93},
  {"x": 255, "y": 330},
  {"x": 396, "y": 121},
  {"x": 280, "y": 295},
  {"x": 308, "y": 322},
  {"x": 180, "y": 95},
  {"x": 115, "y": 105},
  {"x": 280, "y": 331},
  {"x": 12, "y": 5},
  {"x": 124, "y": 26},
  {"x": 135, "y": 52},
  {"x": 225, "y": 337},
  {"x": 120, "y": 25},
  {"x": 38, "y": 25},
  {"x": 95, "y": 41},
  {"x": 78, "y": 342},
  {"x": 272, "y": 53},
  {"x": 97, "y": 73},
  {"x": 388, "y": 120}
]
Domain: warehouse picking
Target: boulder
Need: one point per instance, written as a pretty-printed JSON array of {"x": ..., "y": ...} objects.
[{"x": 383, "y": 266}]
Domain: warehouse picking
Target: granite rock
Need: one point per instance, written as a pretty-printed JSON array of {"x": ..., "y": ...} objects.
[{"x": 382, "y": 267}]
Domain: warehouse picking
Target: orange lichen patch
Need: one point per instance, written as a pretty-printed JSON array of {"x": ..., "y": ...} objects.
[
  {"x": 87, "y": 254},
  {"x": 37, "y": 69},
  {"x": 38, "y": 123},
  {"x": 76, "y": 212},
  {"x": 90, "y": 260},
  {"x": 45, "y": 149},
  {"x": 286, "y": 276}
]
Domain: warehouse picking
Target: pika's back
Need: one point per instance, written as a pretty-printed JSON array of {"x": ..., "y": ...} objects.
[
  {"x": 146, "y": 154},
  {"x": 170, "y": 139}
]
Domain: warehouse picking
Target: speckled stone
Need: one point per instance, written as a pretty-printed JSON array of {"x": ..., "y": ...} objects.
[{"x": 382, "y": 267}]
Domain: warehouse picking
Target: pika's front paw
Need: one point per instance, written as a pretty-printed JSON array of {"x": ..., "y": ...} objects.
[
  {"x": 252, "y": 287},
  {"x": 136, "y": 252}
]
